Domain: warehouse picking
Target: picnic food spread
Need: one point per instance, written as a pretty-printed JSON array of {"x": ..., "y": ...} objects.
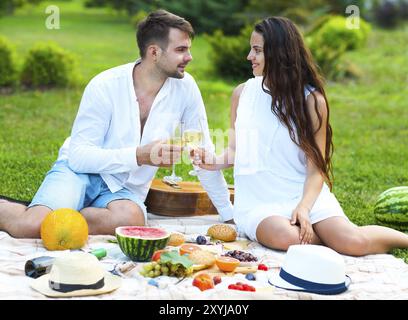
[
  {"x": 204, "y": 258},
  {"x": 156, "y": 253},
  {"x": 206, "y": 261}
]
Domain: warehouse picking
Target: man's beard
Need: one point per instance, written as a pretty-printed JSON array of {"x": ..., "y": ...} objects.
[
  {"x": 174, "y": 74},
  {"x": 171, "y": 73}
]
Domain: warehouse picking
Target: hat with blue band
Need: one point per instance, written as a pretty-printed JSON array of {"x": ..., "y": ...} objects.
[{"x": 312, "y": 268}]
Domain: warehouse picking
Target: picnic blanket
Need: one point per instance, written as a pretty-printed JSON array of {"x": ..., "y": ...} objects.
[{"x": 381, "y": 276}]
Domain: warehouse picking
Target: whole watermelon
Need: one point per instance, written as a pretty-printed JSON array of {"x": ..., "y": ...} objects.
[
  {"x": 139, "y": 243},
  {"x": 391, "y": 208}
]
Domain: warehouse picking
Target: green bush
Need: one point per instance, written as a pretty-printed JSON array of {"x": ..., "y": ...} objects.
[
  {"x": 330, "y": 39},
  {"x": 8, "y": 67},
  {"x": 204, "y": 15},
  {"x": 136, "y": 18},
  {"x": 228, "y": 54},
  {"x": 48, "y": 65}
]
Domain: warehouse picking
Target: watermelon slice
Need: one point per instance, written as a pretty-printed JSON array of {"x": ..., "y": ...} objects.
[{"x": 139, "y": 243}]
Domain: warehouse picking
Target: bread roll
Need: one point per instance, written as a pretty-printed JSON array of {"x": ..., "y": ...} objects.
[
  {"x": 176, "y": 239},
  {"x": 223, "y": 232}
]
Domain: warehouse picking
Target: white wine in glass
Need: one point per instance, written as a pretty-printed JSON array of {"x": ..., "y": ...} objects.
[
  {"x": 176, "y": 140},
  {"x": 193, "y": 139}
]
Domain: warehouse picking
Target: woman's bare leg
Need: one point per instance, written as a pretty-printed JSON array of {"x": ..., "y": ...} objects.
[{"x": 345, "y": 237}]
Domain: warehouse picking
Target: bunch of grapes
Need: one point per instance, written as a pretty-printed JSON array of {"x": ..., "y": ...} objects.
[
  {"x": 157, "y": 268},
  {"x": 241, "y": 256}
]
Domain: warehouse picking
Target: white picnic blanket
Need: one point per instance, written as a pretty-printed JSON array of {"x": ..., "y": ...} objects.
[{"x": 379, "y": 276}]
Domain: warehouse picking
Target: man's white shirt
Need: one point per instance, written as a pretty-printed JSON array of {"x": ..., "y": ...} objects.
[{"x": 107, "y": 131}]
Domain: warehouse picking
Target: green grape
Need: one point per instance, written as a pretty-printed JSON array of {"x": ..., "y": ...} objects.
[
  {"x": 157, "y": 267},
  {"x": 164, "y": 269},
  {"x": 165, "y": 273},
  {"x": 148, "y": 267},
  {"x": 154, "y": 263},
  {"x": 151, "y": 274},
  {"x": 143, "y": 273},
  {"x": 157, "y": 273}
]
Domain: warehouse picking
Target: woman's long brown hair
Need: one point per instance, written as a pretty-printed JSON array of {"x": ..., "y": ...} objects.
[{"x": 289, "y": 67}]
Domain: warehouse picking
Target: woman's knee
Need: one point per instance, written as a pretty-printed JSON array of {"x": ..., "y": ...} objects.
[{"x": 279, "y": 236}]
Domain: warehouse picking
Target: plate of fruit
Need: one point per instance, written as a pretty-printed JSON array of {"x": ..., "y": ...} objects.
[{"x": 246, "y": 259}]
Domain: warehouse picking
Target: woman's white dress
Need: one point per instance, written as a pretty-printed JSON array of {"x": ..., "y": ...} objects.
[{"x": 269, "y": 168}]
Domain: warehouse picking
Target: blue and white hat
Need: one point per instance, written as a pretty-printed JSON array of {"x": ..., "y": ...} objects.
[{"x": 312, "y": 268}]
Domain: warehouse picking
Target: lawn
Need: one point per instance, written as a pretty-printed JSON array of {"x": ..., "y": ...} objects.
[{"x": 369, "y": 116}]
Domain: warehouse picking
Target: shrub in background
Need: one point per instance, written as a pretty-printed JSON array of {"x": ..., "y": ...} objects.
[
  {"x": 228, "y": 54},
  {"x": 136, "y": 18},
  {"x": 48, "y": 65},
  {"x": 330, "y": 40},
  {"x": 8, "y": 66}
]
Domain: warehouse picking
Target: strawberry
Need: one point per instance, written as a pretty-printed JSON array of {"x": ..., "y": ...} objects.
[
  {"x": 239, "y": 287},
  {"x": 262, "y": 267}
]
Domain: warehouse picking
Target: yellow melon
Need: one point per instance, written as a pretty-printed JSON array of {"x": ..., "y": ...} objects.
[{"x": 64, "y": 229}]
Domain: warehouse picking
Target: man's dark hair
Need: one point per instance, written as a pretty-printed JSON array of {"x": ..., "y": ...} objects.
[{"x": 156, "y": 27}]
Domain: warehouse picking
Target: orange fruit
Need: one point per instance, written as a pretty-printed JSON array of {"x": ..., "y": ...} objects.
[
  {"x": 64, "y": 229},
  {"x": 226, "y": 264},
  {"x": 188, "y": 248}
]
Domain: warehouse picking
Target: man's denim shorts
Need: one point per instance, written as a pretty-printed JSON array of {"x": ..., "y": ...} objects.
[{"x": 63, "y": 188}]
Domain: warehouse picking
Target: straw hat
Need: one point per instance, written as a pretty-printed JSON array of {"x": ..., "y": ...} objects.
[
  {"x": 312, "y": 268},
  {"x": 76, "y": 274}
]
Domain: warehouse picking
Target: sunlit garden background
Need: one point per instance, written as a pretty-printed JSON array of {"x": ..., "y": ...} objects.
[{"x": 366, "y": 70}]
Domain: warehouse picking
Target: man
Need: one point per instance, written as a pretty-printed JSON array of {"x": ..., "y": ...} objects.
[{"x": 105, "y": 168}]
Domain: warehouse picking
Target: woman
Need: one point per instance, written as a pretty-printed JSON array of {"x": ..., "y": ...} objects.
[{"x": 282, "y": 151}]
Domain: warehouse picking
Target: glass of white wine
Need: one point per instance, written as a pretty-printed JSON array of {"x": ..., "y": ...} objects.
[
  {"x": 176, "y": 139},
  {"x": 193, "y": 139}
]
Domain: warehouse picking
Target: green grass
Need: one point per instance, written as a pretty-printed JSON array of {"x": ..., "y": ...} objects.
[{"x": 369, "y": 116}]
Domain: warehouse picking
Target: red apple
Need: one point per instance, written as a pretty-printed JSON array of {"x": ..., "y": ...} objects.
[{"x": 203, "y": 281}]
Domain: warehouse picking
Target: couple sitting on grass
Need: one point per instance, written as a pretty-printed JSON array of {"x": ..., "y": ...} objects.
[{"x": 281, "y": 145}]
